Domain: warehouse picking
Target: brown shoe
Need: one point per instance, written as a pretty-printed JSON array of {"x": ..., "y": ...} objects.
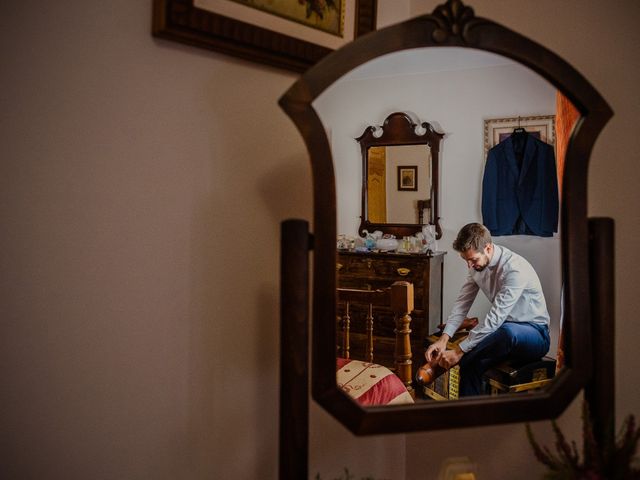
[{"x": 428, "y": 372}]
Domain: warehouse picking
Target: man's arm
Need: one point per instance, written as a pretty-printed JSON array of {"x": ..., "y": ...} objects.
[
  {"x": 458, "y": 313},
  {"x": 462, "y": 306},
  {"x": 513, "y": 286}
]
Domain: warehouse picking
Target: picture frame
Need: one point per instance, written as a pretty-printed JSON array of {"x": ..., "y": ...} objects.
[
  {"x": 407, "y": 178},
  {"x": 497, "y": 129},
  {"x": 200, "y": 23}
]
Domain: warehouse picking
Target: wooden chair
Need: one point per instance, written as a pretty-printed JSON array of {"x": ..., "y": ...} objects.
[{"x": 398, "y": 298}]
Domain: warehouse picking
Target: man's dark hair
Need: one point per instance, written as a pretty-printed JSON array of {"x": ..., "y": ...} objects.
[{"x": 472, "y": 235}]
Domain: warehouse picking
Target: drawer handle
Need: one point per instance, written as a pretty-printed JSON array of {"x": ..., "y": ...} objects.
[
  {"x": 403, "y": 271},
  {"x": 338, "y": 266}
]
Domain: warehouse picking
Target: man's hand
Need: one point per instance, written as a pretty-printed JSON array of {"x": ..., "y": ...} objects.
[
  {"x": 450, "y": 358},
  {"x": 436, "y": 349}
]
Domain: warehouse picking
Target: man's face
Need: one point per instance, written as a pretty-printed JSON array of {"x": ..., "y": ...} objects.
[{"x": 478, "y": 260}]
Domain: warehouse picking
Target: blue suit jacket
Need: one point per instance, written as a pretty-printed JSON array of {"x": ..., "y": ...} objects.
[{"x": 530, "y": 192}]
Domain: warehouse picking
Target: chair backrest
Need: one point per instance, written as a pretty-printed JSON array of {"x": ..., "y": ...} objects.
[{"x": 399, "y": 299}]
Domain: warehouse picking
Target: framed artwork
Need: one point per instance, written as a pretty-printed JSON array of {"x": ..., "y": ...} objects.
[
  {"x": 497, "y": 129},
  {"x": 288, "y": 34},
  {"x": 327, "y": 16},
  {"x": 408, "y": 178}
]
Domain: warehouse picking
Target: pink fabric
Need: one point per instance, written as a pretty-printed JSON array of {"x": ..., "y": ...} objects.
[{"x": 370, "y": 383}]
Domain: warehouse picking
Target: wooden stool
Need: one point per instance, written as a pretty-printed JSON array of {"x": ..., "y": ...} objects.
[{"x": 511, "y": 377}]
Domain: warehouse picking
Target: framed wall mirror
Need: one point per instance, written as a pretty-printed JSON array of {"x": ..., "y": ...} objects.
[
  {"x": 400, "y": 175},
  {"x": 475, "y": 69}
]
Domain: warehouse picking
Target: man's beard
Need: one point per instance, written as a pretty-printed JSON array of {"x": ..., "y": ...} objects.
[{"x": 481, "y": 268}]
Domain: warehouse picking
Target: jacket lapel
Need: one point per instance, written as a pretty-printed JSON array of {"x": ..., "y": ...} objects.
[
  {"x": 529, "y": 154},
  {"x": 511, "y": 157}
]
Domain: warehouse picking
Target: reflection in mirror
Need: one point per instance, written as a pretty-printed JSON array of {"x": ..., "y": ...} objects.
[
  {"x": 396, "y": 193},
  {"x": 456, "y": 90}
]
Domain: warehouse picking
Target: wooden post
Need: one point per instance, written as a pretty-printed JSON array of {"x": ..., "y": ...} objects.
[
  {"x": 402, "y": 306},
  {"x": 294, "y": 350},
  {"x": 600, "y": 390},
  {"x": 369, "y": 328},
  {"x": 346, "y": 330}
]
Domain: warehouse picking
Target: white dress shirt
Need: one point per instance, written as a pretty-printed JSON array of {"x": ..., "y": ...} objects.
[{"x": 515, "y": 292}]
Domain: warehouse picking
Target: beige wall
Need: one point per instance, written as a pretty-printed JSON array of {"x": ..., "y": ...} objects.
[{"x": 141, "y": 188}]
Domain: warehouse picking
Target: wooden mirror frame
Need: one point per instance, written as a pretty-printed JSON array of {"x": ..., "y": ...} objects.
[
  {"x": 399, "y": 129},
  {"x": 451, "y": 24}
]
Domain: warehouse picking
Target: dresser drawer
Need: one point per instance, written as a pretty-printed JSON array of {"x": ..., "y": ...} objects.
[
  {"x": 390, "y": 270},
  {"x": 371, "y": 271},
  {"x": 372, "y": 274}
]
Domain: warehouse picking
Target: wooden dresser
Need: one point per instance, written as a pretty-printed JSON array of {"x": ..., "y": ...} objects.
[{"x": 363, "y": 270}]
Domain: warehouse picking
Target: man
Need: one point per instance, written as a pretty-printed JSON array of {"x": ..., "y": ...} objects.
[{"x": 517, "y": 325}]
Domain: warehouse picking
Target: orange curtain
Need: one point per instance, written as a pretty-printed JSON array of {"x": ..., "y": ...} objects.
[{"x": 566, "y": 117}]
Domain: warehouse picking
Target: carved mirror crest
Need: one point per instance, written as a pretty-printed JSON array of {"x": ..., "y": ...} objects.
[{"x": 450, "y": 25}]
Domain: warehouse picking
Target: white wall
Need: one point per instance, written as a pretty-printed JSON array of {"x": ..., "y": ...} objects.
[{"x": 456, "y": 101}]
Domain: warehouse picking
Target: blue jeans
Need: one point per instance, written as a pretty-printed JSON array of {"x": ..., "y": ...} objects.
[{"x": 514, "y": 341}]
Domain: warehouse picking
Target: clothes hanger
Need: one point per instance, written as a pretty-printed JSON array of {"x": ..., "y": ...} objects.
[{"x": 519, "y": 129}]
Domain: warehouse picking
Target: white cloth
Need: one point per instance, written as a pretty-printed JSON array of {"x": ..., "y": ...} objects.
[{"x": 515, "y": 292}]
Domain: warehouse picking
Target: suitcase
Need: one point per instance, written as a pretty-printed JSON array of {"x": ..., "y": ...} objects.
[{"x": 511, "y": 377}]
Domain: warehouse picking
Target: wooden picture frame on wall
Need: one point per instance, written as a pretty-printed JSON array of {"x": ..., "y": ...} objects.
[
  {"x": 497, "y": 129},
  {"x": 224, "y": 26},
  {"x": 407, "y": 178}
]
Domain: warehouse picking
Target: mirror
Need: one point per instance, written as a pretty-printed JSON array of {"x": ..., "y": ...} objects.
[
  {"x": 335, "y": 172},
  {"x": 459, "y": 89},
  {"x": 404, "y": 168},
  {"x": 400, "y": 161}
]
